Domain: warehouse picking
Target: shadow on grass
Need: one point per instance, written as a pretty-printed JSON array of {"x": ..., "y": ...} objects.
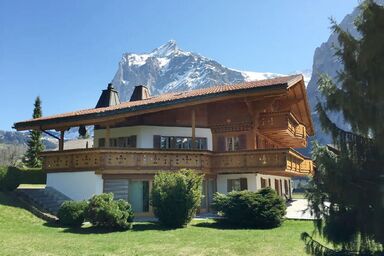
[
  {"x": 138, "y": 226},
  {"x": 225, "y": 225}
]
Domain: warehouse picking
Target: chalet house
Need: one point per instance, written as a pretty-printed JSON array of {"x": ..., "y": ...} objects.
[{"x": 240, "y": 136}]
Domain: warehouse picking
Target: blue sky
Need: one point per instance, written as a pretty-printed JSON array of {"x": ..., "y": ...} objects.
[{"x": 67, "y": 51}]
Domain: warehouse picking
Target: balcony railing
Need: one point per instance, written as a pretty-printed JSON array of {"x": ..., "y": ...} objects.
[
  {"x": 280, "y": 124},
  {"x": 126, "y": 161}
]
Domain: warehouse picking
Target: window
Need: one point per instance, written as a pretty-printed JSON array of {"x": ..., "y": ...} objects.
[
  {"x": 120, "y": 142},
  {"x": 173, "y": 142},
  {"x": 237, "y": 184},
  {"x": 232, "y": 143}
]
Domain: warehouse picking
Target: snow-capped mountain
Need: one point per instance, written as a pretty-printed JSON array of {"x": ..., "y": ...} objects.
[{"x": 169, "y": 69}]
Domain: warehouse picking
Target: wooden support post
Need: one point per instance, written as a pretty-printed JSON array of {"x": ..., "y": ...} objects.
[
  {"x": 193, "y": 129},
  {"x": 61, "y": 141},
  {"x": 107, "y": 136}
]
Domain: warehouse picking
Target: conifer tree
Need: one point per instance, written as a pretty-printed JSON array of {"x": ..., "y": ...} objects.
[
  {"x": 35, "y": 146},
  {"x": 347, "y": 190}
]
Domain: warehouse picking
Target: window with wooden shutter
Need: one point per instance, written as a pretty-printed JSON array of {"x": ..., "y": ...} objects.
[
  {"x": 243, "y": 184},
  {"x": 242, "y": 141},
  {"x": 263, "y": 182},
  {"x": 156, "y": 141},
  {"x": 132, "y": 141},
  {"x": 221, "y": 144}
]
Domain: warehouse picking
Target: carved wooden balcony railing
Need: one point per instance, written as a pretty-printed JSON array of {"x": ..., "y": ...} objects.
[
  {"x": 126, "y": 161},
  {"x": 276, "y": 161},
  {"x": 284, "y": 128}
]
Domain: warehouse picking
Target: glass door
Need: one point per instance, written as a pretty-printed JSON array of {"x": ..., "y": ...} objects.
[{"x": 138, "y": 195}]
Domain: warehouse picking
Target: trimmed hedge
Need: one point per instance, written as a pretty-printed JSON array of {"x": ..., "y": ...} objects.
[
  {"x": 103, "y": 211},
  {"x": 176, "y": 197},
  {"x": 71, "y": 213},
  {"x": 262, "y": 209},
  {"x": 11, "y": 177}
]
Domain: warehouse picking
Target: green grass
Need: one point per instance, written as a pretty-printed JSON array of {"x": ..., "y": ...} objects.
[
  {"x": 31, "y": 186},
  {"x": 21, "y": 233}
]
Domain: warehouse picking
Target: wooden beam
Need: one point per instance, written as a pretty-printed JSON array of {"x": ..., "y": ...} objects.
[
  {"x": 193, "y": 128},
  {"x": 61, "y": 140}
]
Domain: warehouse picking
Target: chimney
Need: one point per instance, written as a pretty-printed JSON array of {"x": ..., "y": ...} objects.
[
  {"x": 109, "y": 97},
  {"x": 140, "y": 92}
]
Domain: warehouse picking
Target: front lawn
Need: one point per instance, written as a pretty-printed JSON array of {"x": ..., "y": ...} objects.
[{"x": 21, "y": 233}]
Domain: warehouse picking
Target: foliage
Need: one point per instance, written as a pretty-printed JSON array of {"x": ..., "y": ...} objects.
[
  {"x": 9, "y": 178},
  {"x": 176, "y": 196},
  {"x": 347, "y": 187},
  {"x": 103, "y": 211},
  {"x": 261, "y": 209},
  {"x": 71, "y": 213},
  {"x": 22, "y": 233},
  {"x": 35, "y": 145}
]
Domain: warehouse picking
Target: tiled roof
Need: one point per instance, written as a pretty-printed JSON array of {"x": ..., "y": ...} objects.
[{"x": 175, "y": 97}]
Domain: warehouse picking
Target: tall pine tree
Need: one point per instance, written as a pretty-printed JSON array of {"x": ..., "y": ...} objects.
[
  {"x": 35, "y": 146},
  {"x": 347, "y": 191}
]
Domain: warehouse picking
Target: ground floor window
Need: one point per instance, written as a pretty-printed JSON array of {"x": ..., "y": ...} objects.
[{"x": 237, "y": 184}]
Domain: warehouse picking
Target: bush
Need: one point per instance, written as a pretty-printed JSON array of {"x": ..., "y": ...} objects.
[
  {"x": 262, "y": 209},
  {"x": 9, "y": 178},
  {"x": 71, "y": 213},
  {"x": 176, "y": 197},
  {"x": 103, "y": 211}
]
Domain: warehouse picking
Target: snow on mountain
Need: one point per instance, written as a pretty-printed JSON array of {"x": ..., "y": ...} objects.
[{"x": 170, "y": 69}]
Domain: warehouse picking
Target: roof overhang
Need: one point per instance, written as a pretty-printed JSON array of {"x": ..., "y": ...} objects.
[{"x": 117, "y": 113}]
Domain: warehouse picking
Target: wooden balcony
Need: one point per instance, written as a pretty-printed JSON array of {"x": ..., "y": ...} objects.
[
  {"x": 284, "y": 128},
  {"x": 141, "y": 161},
  {"x": 286, "y": 162}
]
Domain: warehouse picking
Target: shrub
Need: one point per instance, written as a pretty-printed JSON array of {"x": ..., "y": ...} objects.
[
  {"x": 71, "y": 213},
  {"x": 32, "y": 176},
  {"x": 103, "y": 211},
  {"x": 9, "y": 178},
  {"x": 262, "y": 209},
  {"x": 176, "y": 197}
]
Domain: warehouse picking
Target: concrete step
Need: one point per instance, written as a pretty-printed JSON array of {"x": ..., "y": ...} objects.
[{"x": 48, "y": 198}]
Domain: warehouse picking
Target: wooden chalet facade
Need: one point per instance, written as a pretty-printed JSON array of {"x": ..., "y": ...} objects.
[{"x": 239, "y": 136}]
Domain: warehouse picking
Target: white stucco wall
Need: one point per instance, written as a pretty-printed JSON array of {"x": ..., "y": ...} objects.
[
  {"x": 145, "y": 134},
  {"x": 222, "y": 181},
  {"x": 76, "y": 185}
]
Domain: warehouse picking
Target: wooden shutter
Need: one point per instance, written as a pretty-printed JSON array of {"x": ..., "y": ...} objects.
[
  {"x": 101, "y": 142},
  {"x": 221, "y": 144},
  {"x": 132, "y": 141},
  {"x": 229, "y": 185},
  {"x": 277, "y": 187},
  {"x": 156, "y": 141},
  {"x": 263, "y": 182},
  {"x": 243, "y": 184},
  {"x": 242, "y": 141},
  {"x": 119, "y": 188}
]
